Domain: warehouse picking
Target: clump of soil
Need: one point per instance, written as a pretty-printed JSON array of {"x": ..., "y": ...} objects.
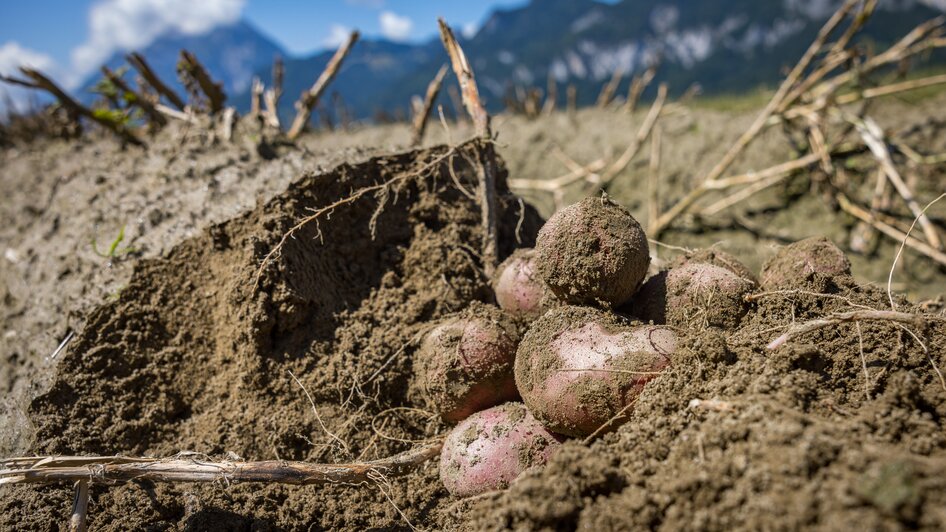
[
  {"x": 804, "y": 262},
  {"x": 593, "y": 252},
  {"x": 200, "y": 354},
  {"x": 465, "y": 363}
]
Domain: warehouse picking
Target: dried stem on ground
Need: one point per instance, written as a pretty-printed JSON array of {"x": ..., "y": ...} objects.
[
  {"x": 191, "y": 67},
  {"x": 853, "y": 316},
  {"x": 487, "y": 169},
  {"x": 310, "y": 98},
  {"x": 80, "y": 507},
  {"x": 420, "y": 119},
  {"x": 137, "y": 61},
  {"x": 138, "y": 99},
  {"x": 551, "y": 95},
  {"x": 637, "y": 87},
  {"x": 37, "y": 80},
  {"x": 194, "y": 468},
  {"x": 610, "y": 88},
  {"x": 610, "y": 171},
  {"x": 653, "y": 180}
]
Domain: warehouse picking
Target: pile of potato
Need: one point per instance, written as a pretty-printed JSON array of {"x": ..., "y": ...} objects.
[{"x": 576, "y": 336}]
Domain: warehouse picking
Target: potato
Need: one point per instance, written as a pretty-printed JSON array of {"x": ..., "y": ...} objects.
[
  {"x": 704, "y": 288},
  {"x": 800, "y": 263},
  {"x": 490, "y": 449},
  {"x": 592, "y": 252},
  {"x": 465, "y": 363},
  {"x": 694, "y": 294},
  {"x": 578, "y": 367},
  {"x": 519, "y": 290}
]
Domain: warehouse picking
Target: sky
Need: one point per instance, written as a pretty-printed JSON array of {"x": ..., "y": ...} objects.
[{"x": 71, "y": 38}]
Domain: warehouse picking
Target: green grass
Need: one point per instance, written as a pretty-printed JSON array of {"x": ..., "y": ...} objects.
[{"x": 114, "y": 250}]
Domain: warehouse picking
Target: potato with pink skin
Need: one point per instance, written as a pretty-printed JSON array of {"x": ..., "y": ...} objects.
[
  {"x": 465, "y": 363},
  {"x": 695, "y": 294},
  {"x": 577, "y": 368},
  {"x": 490, "y": 449},
  {"x": 519, "y": 290}
]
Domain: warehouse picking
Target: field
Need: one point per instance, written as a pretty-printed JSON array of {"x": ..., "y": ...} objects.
[
  {"x": 215, "y": 323},
  {"x": 182, "y": 342}
]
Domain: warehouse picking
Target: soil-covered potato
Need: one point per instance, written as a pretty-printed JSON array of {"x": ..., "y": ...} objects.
[
  {"x": 802, "y": 261},
  {"x": 465, "y": 363},
  {"x": 519, "y": 290},
  {"x": 718, "y": 258},
  {"x": 694, "y": 294},
  {"x": 578, "y": 367},
  {"x": 593, "y": 252},
  {"x": 489, "y": 449}
]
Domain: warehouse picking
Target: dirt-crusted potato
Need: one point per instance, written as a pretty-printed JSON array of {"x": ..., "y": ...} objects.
[
  {"x": 519, "y": 290},
  {"x": 578, "y": 367},
  {"x": 489, "y": 449},
  {"x": 592, "y": 252},
  {"x": 799, "y": 263},
  {"x": 465, "y": 363},
  {"x": 695, "y": 294}
]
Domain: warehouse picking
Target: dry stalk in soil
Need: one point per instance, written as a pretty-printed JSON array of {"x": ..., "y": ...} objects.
[
  {"x": 808, "y": 97},
  {"x": 310, "y": 98},
  {"x": 420, "y": 119},
  {"x": 184, "y": 468},
  {"x": 637, "y": 87},
  {"x": 137, "y": 61},
  {"x": 865, "y": 216},
  {"x": 39, "y": 81},
  {"x": 551, "y": 94},
  {"x": 139, "y": 100},
  {"x": 847, "y": 317},
  {"x": 487, "y": 169},
  {"x": 611, "y": 87},
  {"x": 211, "y": 89},
  {"x": 610, "y": 171}
]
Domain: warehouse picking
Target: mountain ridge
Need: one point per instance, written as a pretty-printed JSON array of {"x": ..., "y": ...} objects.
[{"x": 726, "y": 46}]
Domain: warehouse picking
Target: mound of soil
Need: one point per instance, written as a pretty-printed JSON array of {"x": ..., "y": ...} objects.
[{"x": 199, "y": 354}]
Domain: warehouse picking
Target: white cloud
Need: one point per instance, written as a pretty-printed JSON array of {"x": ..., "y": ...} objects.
[
  {"x": 116, "y": 25},
  {"x": 394, "y": 26},
  {"x": 337, "y": 35},
  {"x": 13, "y": 56},
  {"x": 469, "y": 30}
]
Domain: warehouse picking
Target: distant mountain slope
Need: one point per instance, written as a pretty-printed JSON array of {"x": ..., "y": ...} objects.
[
  {"x": 724, "y": 45},
  {"x": 230, "y": 53}
]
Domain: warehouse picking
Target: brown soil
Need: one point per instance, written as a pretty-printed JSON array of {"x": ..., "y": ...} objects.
[{"x": 178, "y": 349}]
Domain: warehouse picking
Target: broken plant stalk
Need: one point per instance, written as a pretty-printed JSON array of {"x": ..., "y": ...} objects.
[
  {"x": 310, "y": 98},
  {"x": 420, "y": 119},
  {"x": 121, "y": 469},
  {"x": 488, "y": 168}
]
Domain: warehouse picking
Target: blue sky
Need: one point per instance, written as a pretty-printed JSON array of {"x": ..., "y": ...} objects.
[{"x": 72, "y": 37}]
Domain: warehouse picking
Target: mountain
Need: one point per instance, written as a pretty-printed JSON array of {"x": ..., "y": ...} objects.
[
  {"x": 725, "y": 46},
  {"x": 232, "y": 54}
]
